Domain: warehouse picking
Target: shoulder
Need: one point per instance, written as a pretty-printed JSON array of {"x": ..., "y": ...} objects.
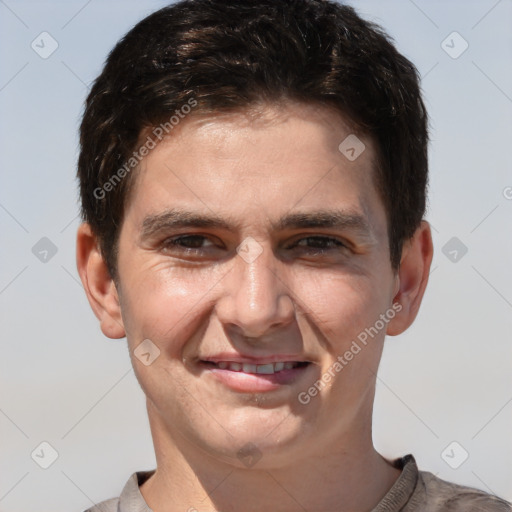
[
  {"x": 110, "y": 505},
  {"x": 130, "y": 497},
  {"x": 440, "y": 495}
]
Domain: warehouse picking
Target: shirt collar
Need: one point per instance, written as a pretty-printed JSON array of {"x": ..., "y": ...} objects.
[{"x": 131, "y": 499}]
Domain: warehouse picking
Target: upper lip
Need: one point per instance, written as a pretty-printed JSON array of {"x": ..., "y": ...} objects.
[{"x": 232, "y": 357}]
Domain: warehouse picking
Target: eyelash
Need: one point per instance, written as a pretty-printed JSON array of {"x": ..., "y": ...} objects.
[
  {"x": 334, "y": 242},
  {"x": 325, "y": 239}
]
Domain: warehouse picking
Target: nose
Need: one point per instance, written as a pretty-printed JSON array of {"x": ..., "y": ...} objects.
[{"x": 256, "y": 299}]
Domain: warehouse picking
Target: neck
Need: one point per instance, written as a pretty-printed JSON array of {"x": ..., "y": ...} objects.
[{"x": 348, "y": 475}]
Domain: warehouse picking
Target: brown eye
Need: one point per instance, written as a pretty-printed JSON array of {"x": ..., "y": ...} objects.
[
  {"x": 319, "y": 244},
  {"x": 188, "y": 243}
]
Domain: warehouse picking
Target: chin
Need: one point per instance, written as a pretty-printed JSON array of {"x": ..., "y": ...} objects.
[{"x": 259, "y": 439}]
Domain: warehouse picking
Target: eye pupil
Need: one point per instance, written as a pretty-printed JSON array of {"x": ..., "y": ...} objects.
[
  {"x": 191, "y": 240},
  {"x": 321, "y": 242},
  {"x": 186, "y": 242},
  {"x": 195, "y": 245}
]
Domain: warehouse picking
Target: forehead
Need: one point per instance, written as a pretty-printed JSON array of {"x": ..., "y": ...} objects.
[{"x": 259, "y": 164}]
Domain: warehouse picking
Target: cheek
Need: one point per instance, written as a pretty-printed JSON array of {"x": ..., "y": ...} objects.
[
  {"x": 165, "y": 305},
  {"x": 341, "y": 304}
]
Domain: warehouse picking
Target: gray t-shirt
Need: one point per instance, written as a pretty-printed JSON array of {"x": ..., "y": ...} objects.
[{"x": 414, "y": 491}]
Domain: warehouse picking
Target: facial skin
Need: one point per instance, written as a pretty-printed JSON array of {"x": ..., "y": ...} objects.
[{"x": 305, "y": 298}]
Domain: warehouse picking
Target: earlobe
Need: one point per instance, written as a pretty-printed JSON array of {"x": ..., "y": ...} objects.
[
  {"x": 412, "y": 278},
  {"x": 99, "y": 286}
]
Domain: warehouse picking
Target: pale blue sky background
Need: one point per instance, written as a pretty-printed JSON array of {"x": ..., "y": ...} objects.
[{"x": 61, "y": 381}]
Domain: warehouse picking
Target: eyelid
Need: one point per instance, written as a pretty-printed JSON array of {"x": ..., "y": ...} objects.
[
  {"x": 330, "y": 239},
  {"x": 321, "y": 237},
  {"x": 334, "y": 243},
  {"x": 173, "y": 241}
]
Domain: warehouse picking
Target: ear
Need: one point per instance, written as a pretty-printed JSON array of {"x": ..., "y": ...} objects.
[
  {"x": 412, "y": 278},
  {"x": 98, "y": 284}
]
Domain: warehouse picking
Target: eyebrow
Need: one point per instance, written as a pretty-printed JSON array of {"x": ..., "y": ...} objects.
[{"x": 177, "y": 218}]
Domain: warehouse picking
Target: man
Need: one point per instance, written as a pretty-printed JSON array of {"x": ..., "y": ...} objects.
[{"x": 253, "y": 178}]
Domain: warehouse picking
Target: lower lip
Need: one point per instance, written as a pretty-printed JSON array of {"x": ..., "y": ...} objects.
[{"x": 257, "y": 382}]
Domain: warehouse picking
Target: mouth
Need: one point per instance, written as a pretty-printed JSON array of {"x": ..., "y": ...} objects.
[
  {"x": 256, "y": 369},
  {"x": 255, "y": 376}
]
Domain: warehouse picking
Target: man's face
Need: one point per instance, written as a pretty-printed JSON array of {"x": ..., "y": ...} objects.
[{"x": 231, "y": 264}]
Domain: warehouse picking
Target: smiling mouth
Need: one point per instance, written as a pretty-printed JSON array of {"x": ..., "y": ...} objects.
[{"x": 256, "y": 369}]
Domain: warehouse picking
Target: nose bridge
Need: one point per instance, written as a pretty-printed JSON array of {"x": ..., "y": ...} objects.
[
  {"x": 257, "y": 300},
  {"x": 258, "y": 288}
]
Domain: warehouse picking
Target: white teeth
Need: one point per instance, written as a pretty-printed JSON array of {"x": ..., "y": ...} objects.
[
  {"x": 278, "y": 367},
  {"x": 265, "y": 368}
]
